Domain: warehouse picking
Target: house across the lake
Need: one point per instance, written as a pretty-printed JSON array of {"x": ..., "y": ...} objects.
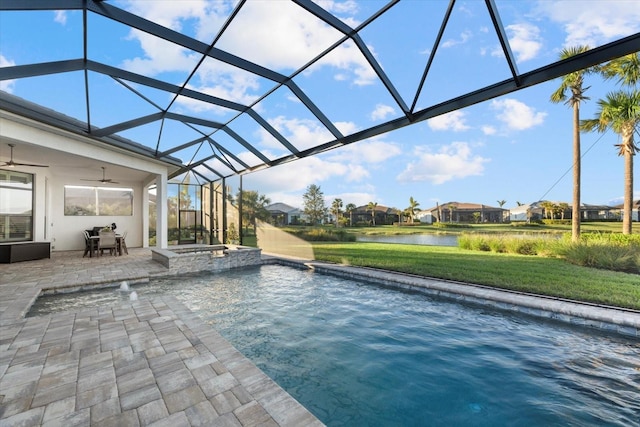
[{"x": 463, "y": 212}]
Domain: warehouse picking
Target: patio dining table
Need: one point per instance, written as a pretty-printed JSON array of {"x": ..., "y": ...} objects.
[{"x": 93, "y": 245}]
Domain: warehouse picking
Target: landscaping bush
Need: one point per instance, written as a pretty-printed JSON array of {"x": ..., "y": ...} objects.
[
  {"x": 504, "y": 243},
  {"x": 609, "y": 251},
  {"x": 324, "y": 235},
  {"x": 450, "y": 225}
]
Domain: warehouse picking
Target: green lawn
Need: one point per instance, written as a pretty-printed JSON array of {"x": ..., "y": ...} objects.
[
  {"x": 539, "y": 275},
  {"x": 603, "y": 227}
]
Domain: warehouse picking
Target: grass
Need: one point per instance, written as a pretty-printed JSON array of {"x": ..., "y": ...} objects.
[{"x": 538, "y": 275}]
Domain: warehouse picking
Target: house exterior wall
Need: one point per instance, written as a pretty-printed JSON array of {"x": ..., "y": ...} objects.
[{"x": 49, "y": 222}]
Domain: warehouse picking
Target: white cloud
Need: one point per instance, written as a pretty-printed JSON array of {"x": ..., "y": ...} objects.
[
  {"x": 60, "y": 16},
  {"x": 382, "y": 111},
  {"x": 349, "y": 6},
  {"x": 302, "y": 133},
  {"x": 454, "y": 121},
  {"x": 593, "y": 22},
  {"x": 6, "y": 85},
  {"x": 488, "y": 130},
  {"x": 525, "y": 40},
  {"x": 295, "y": 176},
  {"x": 517, "y": 115},
  {"x": 464, "y": 37},
  {"x": 289, "y": 39},
  {"x": 454, "y": 161},
  {"x": 372, "y": 151},
  {"x": 160, "y": 56}
]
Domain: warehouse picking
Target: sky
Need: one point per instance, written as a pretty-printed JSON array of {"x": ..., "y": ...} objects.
[{"x": 516, "y": 148}]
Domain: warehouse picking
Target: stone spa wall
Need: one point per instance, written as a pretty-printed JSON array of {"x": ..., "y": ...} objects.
[{"x": 212, "y": 258}]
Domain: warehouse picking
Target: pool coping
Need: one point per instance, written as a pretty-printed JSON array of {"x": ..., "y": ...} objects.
[
  {"x": 147, "y": 362},
  {"x": 609, "y": 319}
]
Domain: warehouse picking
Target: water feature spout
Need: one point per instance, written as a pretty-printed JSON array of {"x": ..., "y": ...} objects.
[
  {"x": 124, "y": 286},
  {"x": 133, "y": 296}
]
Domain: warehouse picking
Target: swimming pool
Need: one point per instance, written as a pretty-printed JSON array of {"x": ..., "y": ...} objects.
[{"x": 359, "y": 354}]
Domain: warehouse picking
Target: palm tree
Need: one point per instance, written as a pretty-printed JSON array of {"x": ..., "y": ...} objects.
[
  {"x": 349, "y": 209},
  {"x": 501, "y": 203},
  {"x": 562, "y": 208},
  {"x": 620, "y": 111},
  {"x": 336, "y": 209},
  {"x": 412, "y": 209},
  {"x": 451, "y": 207},
  {"x": 549, "y": 208},
  {"x": 573, "y": 82},
  {"x": 372, "y": 207}
]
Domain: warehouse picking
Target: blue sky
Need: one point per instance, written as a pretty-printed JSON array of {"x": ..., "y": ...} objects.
[{"x": 516, "y": 148}]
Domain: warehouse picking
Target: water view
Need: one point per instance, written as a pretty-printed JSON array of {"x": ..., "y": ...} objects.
[
  {"x": 357, "y": 354},
  {"x": 413, "y": 239}
]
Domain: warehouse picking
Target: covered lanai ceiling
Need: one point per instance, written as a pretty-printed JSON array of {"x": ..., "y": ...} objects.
[{"x": 220, "y": 86}]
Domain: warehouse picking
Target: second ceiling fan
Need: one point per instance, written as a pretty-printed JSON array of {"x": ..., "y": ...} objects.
[{"x": 104, "y": 179}]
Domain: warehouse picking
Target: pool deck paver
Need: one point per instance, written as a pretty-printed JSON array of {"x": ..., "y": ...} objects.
[
  {"x": 141, "y": 363},
  {"x": 155, "y": 363}
]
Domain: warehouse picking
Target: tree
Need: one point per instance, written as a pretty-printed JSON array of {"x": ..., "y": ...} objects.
[
  {"x": 562, "y": 208},
  {"x": 620, "y": 111},
  {"x": 451, "y": 207},
  {"x": 372, "y": 207},
  {"x": 349, "y": 209},
  {"x": 254, "y": 207},
  {"x": 549, "y": 208},
  {"x": 519, "y": 203},
  {"x": 573, "y": 83},
  {"x": 336, "y": 209},
  {"x": 314, "y": 207},
  {"x": 502, "y": 203},
  {"x": 476, "y": 217},
  {"x": 412, "y": 209}
]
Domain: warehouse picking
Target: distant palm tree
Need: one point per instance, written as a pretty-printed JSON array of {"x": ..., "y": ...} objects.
[
  {"x": 501, "y": 203},
  {"x": 372, "y": 207},
  {"x": 549, "y": 208},
  {"x": 573, "y": 82},
  {"x": 349, "y": 209},
  {"x": 562, "y": 208},
  {"x": 519, "y": 203},
  {"x": 620, "y": 111},
  {"x": 412, "y": 209},
  {"x": 336, "y": 209}
]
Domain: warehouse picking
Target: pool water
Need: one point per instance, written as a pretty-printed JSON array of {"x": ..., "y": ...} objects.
[{"x": 358, "y": 354}]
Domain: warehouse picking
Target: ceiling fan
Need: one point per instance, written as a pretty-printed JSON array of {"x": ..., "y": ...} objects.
[
  {"x": 104, "y": 179},
  {"x": 11, "y": 163}
]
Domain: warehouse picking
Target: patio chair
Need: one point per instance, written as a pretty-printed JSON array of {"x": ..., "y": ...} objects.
[
  {"x": 87, "y": 244},
  {"x": 107, "y": 241},
  {"x": 123, "y": 243}
]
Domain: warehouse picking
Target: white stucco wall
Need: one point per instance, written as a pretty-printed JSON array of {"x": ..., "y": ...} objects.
[{"x": 50, "y": 223}]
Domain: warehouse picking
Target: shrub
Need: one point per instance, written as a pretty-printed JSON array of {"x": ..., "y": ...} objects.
[
  {"x": 324, "y": 235},
  {"x": 450, "y": 225},
  {"x": 610, "y": 251}
]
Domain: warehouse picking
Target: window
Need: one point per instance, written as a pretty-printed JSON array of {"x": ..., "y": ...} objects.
[
  {"x": 16, "y": 206},
  {"x": 97, "y": 201}
]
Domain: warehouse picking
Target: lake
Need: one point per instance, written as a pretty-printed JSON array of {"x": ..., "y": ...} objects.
[{"x": 413, "y": 239}]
